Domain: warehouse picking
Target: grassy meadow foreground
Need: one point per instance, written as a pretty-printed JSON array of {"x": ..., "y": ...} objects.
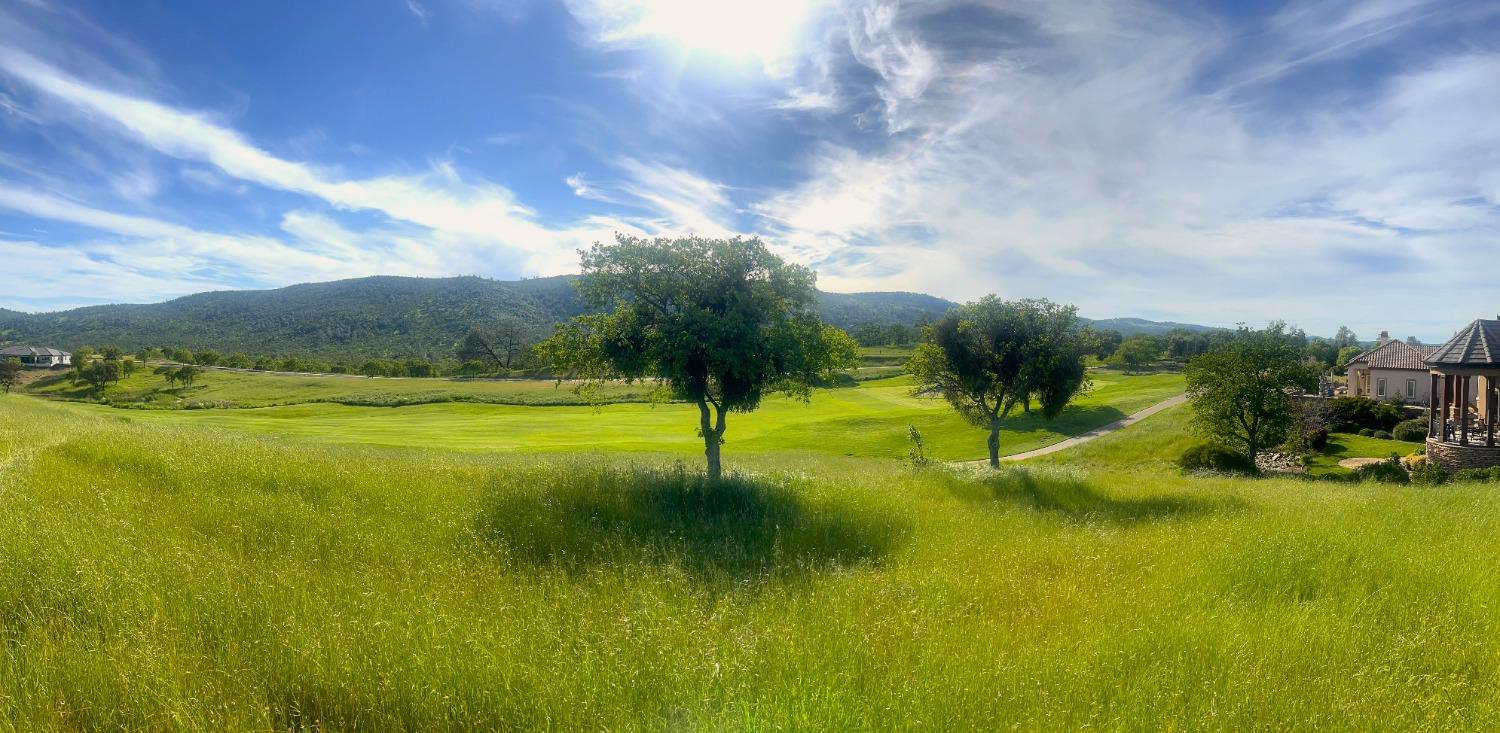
[
  {"x": 870, "y": 419},
  {"x": 171, "y": 576}
]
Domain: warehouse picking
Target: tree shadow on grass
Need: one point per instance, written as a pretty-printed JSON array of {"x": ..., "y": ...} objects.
[
  {"x": 1073, "y": 497},
  {"x": 1074, "y": 421},
  {"x": 733, "y": 529}
]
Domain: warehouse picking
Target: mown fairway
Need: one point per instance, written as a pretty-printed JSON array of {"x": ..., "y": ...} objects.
[
  {"x": 162, "y": 577},
  {"x": 869, "y": 420}
]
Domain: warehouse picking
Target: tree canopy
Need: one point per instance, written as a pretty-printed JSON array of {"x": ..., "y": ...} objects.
[
  {"x": 718, "y": 322},
  {"x": 1239, "y": 388},
  {"x": 990, "y": 356},
  {"x": 10, "y": 373}
]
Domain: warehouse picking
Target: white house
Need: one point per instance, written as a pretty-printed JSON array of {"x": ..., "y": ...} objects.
[
  {"x": 37, "y": 357},
  {"x": 1392, "y": 369}
]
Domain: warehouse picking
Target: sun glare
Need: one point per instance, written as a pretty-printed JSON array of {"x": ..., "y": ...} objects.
[{"x": 740, "y": 28}]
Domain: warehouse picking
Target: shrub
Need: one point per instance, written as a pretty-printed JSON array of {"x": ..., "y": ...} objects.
[
  {"x": 1368, "y": 433},
  {"x": 1477, "y": 475},
  {"x": 1412, "y": 431},
  {"x": 1388, "y": 471},
  {"x": 1214, "y": 457},
  {"x": 1350, "y": 413},
  {"x": 1381, "y": 434},
  {"x": 1425, "y": 473}
]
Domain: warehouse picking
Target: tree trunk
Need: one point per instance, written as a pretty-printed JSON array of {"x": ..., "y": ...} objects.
[
  {"x": 712, "y": 437},
  {"x": 994, "y": 443}
]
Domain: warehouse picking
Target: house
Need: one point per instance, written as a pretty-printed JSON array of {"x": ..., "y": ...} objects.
[
  {"x": 37, "y": 357},
  {"x": 1393, "y": 369}
]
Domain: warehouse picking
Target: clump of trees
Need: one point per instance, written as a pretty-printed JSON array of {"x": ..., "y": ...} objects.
[
  {"x": 894, "y": 334},
  {"x": 184, "y": 375},
  {"x": 717, "y": 322},
  {"x": 989, "y": 357},
  {"x": 1241, "y": 389}
]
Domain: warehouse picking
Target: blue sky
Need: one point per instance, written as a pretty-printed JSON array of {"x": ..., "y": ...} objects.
[{"x": 1326, "y": 163}]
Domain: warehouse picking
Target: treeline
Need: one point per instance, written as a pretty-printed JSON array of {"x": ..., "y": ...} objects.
[{"x": 1178, "y": 346}]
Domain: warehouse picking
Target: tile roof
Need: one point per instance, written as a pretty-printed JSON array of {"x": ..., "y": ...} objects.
[
  {"x": 1478, "y": 345},
  {"x": 30, "y": 351},
  {"x": 1396, "y": 354}
]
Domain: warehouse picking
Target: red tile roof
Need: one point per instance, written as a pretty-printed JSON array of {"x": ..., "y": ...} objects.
[{"x": 1395, "y": 354}]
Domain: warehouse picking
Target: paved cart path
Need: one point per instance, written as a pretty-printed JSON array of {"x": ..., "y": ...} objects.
[{"x": 1124, "y": 422}]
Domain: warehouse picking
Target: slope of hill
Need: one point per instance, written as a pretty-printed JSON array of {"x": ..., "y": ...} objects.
[
  {"x": 388, "y": 317},
  {"x": 1133, "y": 326}
]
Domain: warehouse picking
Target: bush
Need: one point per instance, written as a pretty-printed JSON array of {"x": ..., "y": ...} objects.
[
  {"x": 1425, "y": 473},
  {"x": 1366, "y": 432},
  {"x": 1388, "y": 471},
  {"x": 1351, "y": 413},
  {"x": 1215, "y": 457},
  {"x": 1381, "y": 434},
  {"x": 1411, "y": 431},
  {"x": 1477, "y": 475}
]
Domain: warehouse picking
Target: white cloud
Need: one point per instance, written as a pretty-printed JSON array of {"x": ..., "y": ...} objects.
[{"x": 1084, "y": 152}]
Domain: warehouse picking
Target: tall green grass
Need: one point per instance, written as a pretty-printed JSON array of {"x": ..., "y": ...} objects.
[{"x": 163, "y": 577}]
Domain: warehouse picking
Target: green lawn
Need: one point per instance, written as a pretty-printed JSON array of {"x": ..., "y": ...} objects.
[
  {"x": 869, "y": 420},
  {"x": 1350, "y": 445},
  {"x": 227, "y": 388},
  {"x": 163, "y": 577}
]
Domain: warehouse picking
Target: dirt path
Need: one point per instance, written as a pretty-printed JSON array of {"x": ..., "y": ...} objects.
[{"x": 1090, "y": 435}]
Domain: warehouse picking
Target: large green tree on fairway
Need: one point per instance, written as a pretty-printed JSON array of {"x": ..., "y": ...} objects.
[
  {"x": 991, "y": 356},
  {"x": 1239, "y": 388},
  {"x": 10, "y": 373},
  {"x": 719, "y": 322}
]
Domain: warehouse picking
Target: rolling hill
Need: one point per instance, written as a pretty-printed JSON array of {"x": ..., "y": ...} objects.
[{"x": 385, "y": 317}]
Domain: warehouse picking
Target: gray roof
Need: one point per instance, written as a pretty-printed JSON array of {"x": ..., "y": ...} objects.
[
  {"x": 1395, "y": 354},
  {"x": 1477, "y": 345},
  {"x": 31, "y": 351}
]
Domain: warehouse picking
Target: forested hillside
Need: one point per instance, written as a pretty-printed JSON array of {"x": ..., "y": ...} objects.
[
  {"x": 392, "y": 317},
  {"x": 373, "y": 317}
]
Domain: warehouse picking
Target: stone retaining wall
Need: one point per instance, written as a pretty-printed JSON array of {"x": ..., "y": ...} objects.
[{"x": 1453, "y": 457}]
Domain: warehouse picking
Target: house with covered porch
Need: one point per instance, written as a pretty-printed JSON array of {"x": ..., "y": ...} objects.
[{"x": 33, "y": 356}]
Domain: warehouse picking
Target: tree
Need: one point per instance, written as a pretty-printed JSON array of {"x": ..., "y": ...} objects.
[
  {"x": 1345, "y": 338},
  {"x": 503, "y": 345},
  {"x": 1106, "y": 342},
  {"x": 188, "y": 373},
  {"x": 167, "y": 372},
  {"x": 1413, "y": 341},
  {"x": 1323, "y": 351},
  {"x": 10, "y": 373},
  {"x": 718, "y": 322},
  {"x": 1239, "y": 388},
  {"x": 1136, "y": 352},
  {"x": 989, "y": 357},
  {"x": 101, "y": 374}
]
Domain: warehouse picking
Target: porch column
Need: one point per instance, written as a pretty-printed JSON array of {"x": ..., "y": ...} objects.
[
  {"x": 1490, "y": 412},
  {"x": 1447, "y": 400},
  {"x": 1463, "y": 410},
  {"x": 1432, "y": 403}
]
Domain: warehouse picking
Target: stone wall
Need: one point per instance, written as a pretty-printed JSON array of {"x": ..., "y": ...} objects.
[{"x": 1453, "y": 457}]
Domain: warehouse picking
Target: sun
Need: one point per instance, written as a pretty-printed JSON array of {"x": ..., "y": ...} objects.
[{"x": 760, "y": 29}]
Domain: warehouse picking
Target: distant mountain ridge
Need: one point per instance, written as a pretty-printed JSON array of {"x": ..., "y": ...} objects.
[{"x": 389, "y": 317}]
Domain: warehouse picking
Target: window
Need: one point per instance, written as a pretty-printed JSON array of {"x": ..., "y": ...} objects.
[
  {"x": 1380, "y": 388},
  {"x": 1411, "y": 388}
]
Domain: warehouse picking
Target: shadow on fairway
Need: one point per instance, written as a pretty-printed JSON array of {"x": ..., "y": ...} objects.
[
  {"x": 733, "y": 529},
  {"x": 1074, "y": 421},
  {"x": 1074, "y": 498}
]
